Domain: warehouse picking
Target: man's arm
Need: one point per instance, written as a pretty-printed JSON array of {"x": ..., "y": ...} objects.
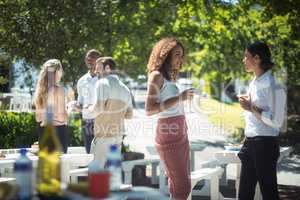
[
  {"x": 273, "y": 117},
  {"x": 101, "y": 96},
  {"x": 95, "y": 109},
  {"x": 129, "y": 113},
  {"x": 79, "y": 92},
  {"x": 129, "y": 110}
]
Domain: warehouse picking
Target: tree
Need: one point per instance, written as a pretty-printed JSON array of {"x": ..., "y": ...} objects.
[
  {"x": 5, "y": 62},
  {"x": 220, "y": 32},
  {"x": 215, "y": 33},
  {"x": 37, "y": 30}
]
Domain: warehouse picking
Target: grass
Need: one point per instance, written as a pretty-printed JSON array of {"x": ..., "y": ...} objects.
[{"x": 227, "y": 116}]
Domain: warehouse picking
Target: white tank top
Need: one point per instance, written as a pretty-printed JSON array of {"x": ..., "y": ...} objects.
[{"x": 169, "y": 90}]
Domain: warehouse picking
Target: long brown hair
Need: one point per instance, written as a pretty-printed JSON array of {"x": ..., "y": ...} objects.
[
  {"x": 160, "y": 58},
  {"x": 46, "y": 80}
]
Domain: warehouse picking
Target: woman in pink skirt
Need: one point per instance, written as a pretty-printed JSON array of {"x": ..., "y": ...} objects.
[{"x": 165, "y": 100}]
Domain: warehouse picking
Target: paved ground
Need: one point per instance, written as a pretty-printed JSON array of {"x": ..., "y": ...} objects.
[{"x": 141, "y": 131}]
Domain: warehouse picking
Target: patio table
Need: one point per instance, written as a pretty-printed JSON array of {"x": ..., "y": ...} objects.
[
  {"x": 136, "y": 193},
  {"x": 195, "y": 145},
  {"x": 228, "y": 156},
  {"x": 68, "y": 161}
]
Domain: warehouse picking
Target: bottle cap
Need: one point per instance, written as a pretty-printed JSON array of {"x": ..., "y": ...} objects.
[
  {"x": 113, "y": 148},
  {"x": 23, "y": 151}
]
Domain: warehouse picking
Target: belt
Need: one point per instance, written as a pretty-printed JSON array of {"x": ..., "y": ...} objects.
[{"x": 262, "y": 137}]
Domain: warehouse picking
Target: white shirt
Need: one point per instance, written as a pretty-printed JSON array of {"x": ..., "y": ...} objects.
[
  {"x": 169, "y": 90},
  {"x": 86, "y": 88},
  {"x": 111, "y": 87},
  {"x": 266, "y": 93},
  {"x": 112, "y": 104}
]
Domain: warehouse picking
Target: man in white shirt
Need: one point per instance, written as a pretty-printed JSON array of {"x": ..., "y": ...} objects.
[
  {"x": 112, "y": 105},
  {"x": 85, "y": 89}
]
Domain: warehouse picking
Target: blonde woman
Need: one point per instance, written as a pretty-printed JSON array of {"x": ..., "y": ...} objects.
[
  {"x": 165, "y": 100},
  {"x": 49, "y": 92}
]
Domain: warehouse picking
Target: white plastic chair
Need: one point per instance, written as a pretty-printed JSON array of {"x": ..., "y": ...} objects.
[
  {"x": 211, "y": 174},
  {"x": 20, "y": 102}
]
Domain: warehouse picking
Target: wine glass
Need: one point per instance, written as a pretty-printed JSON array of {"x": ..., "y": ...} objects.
[
  {"x": 242, "y": 92},
  {"x": 189, "y": 85}
]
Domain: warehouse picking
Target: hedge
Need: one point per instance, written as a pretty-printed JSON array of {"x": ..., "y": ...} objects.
[{"x": 20, "y": 130}]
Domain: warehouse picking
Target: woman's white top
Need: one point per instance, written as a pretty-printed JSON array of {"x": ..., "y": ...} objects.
[
  {"x": 167, "y": 91},
  {"x": 270, "y": 96}
]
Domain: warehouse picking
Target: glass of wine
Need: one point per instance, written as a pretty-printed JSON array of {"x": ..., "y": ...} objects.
[
  {"x": 242, "y": 92},
  {"x": 189, "y": 85}
]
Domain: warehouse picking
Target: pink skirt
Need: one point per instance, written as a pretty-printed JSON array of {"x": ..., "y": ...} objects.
[{"x": 172, "y": 144}]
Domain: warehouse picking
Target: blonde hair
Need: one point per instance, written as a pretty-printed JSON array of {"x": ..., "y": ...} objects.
[{"x": 46, "y": 80}]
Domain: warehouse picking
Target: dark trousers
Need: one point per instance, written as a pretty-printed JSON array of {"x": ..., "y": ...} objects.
[
  {"x": 259, "y": 157},
  {"x": 87, "y": 131},
  {"x": 62, "y": 134}
]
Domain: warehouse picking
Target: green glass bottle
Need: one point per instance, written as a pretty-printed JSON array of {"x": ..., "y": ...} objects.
[{"x": 49, "y": 164}]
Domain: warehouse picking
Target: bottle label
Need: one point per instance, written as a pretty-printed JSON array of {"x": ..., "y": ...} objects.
[
  {"x": 113, "y": 163},
  {"x": 49, "y": 173},
  {"x": 23, "y": 166}
]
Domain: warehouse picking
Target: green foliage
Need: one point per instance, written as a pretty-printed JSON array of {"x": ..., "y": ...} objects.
[
  {"x": 238, "y": 135},
  {"x": 17, "y": 129},
  {"x": 5, "y": 62},
  {"x": 20, "y": 130},
  {"x": 221, "y": 31},
  {"x": 3, "y": 80},
  {"x": 215, "y": 33},
  {"x": 39, "y": 30},
  {"x": 75, "y": 130}
]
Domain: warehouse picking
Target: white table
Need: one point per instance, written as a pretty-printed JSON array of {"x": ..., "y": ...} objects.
[
  {"x": 136, "y": 192},
  {"x": 226, "y": 157},
  {"x": 195, "y": 146},
  {"x": 73, "y": 161},
  {"x": 68, "y": 162}
]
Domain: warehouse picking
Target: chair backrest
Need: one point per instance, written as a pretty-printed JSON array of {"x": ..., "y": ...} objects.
[
  {"x": 9, "y": 151},
  {"x": 79, "y": 149},
  {"x": 20, "y": 102}
]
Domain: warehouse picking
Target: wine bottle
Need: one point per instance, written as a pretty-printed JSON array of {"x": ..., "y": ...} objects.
[{"x": 49, "y": 164}]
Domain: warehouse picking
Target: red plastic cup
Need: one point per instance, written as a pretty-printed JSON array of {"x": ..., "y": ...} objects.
[{"x": 99, "y": 184}]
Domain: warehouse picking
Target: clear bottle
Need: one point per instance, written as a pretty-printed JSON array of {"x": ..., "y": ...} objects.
[
  {"x": 49, "y": 164},
  {"x": 24, "y": 175},
  {"x": 113, "y": 164}
]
